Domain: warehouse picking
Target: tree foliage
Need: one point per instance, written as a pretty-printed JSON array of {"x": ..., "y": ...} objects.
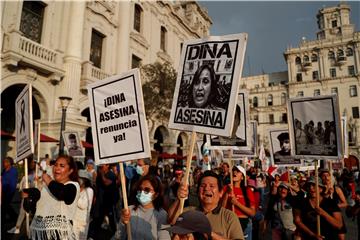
[{"x": 158, "y": 89}]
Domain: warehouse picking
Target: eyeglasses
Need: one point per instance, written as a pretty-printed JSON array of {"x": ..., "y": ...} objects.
[{"x": 146, "y": 190}]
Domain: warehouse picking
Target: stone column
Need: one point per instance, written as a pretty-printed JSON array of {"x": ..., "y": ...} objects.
[
  {"x": 70, "y": 85},
  {"x": 124, "y": 37}
]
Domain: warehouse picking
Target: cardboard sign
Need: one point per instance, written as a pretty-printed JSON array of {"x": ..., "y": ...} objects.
[
  {"x": 24, "y": 127},
  {"x": 207, "y": 84},
  {"x": 118, "y": 120},
  {"x": 315, "y": 127}
]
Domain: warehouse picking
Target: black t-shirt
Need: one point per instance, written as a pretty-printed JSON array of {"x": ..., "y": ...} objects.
[{"x": 308, "y": 216}]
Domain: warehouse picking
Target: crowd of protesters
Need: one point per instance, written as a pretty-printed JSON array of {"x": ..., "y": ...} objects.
[{"x": 68, "y": 199}]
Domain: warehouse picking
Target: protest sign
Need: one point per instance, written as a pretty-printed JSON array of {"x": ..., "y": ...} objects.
[
  {"x": 314, "y": 125},
  {"x": 240, "y": 137},
  {"x": 118, "y": 121},
  {"x": 24, "y": 127},
  {"x": 73, "y": 143},
  {"x": 207, "y": 84},
  {"x": 280, "y": 148}
]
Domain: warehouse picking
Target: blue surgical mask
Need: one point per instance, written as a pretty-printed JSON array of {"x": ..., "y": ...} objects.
[
  {"x": 139, "y": 170},
  {"x": 143, "y": 197}
]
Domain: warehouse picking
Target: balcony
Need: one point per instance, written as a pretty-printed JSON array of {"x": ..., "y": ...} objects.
[
  {"x": 341, "y": 60},
  {"x": 90, "y": 74},
  {"x": 306, "y": 66},
  {"x": 19, "y": 50}
]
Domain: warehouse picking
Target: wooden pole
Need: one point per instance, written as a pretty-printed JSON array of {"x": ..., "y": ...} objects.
[
  {"x": 38, "y": 156},
  {"x": 231, "y": 175},
  {"x": 317, "y": 197},
  {"x": 188, "y": 164},
  {"x": 124, "y": 194},
  {"x": 26, "y": 170},
  {"x": 245, "y": 160}
]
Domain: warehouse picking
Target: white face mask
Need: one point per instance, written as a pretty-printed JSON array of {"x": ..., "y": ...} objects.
[{"x": 143, "y": 197}]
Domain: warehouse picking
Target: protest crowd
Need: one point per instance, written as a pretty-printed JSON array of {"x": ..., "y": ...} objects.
[{"x": 69, "y": 199}]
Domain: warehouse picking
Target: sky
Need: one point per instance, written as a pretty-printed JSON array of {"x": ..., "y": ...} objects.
[{"x": 271, "y": 27}]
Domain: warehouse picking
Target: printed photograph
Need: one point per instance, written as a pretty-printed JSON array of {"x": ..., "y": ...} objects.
[
  {"x": 315, "y": 126},
  {"x": 73, "y": 143},
  {"x": 280, "y": 148}
]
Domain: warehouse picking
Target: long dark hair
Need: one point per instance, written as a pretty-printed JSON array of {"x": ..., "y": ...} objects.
[
  {"x": 196, "y": 79},
  {"x": 74, "y": 176},
  {"x": 155, "y": 182}
]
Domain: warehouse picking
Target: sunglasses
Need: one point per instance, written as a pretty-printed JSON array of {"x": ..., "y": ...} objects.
[{"x": 146, "y": 190}]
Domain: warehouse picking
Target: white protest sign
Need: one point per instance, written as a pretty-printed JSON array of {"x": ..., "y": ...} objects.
[
  {"x": 207, "y": 85},
  {"x": 118, "y": 120},
  {"x": 24, "y": 127}
]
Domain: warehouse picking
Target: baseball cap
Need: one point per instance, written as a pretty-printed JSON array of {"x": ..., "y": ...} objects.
[
  {"x": 84, "y": 174},
  {"x": 283, "y": 185},
  {"x": 312, "y": 180},
  {"x": 90, "y": 161},
  {"x": 241, "y": 169},
  {"x": 191, "y": 222}
]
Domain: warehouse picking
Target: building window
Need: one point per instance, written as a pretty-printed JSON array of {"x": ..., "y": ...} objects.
[
  {"x": 334, "y": 90},
  {"x": 137, "y": 17},
  {"x": 332, "y": 72},
  {"x": 297, "y": 60},
  {"x": 283, "y": 98},
  {"x": 135, "y": 61},
  {"x": 271, "y": 118},
  {"x": 298, "y": 77},
  {"x": 355, "y": 112},
  {"x": 284, "y": 118},
  {"x": 314, "y": 58},
  {"x": 255, "y": 102},
  {"x": 300, "y": 93},
  {"x": 331, "y": 55},
  {"x": 270, "y": 100},
  {"x": 334, "y": 23},
  {"x": 353, "y": 91},
  {"x": 317, "y": 92},
  {"x": 306, "y": 59},
  {"x": 163, "y": 39},
  {"x": 96, "y": 48},
  {"x": 351, "y": 70},
  {"x": 315, "y": 75},
  {"x": 349, "y": 52},
  {"x": 32, "y": 17}
]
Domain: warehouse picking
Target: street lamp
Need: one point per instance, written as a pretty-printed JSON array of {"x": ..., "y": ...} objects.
[{"x": 64, "y": 101}]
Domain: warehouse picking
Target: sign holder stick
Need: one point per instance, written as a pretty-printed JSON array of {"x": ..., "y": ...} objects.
[
  {"x": 317, "y": 197},
  {"x": 124, "y": 194},
  {"x": 38, "y": 155},
  {"x": 231, "y": 174},
  {"x": 245, "y": 161},
  {"x": 26, "y": 168},
  {"x": 188, "y": 164}
]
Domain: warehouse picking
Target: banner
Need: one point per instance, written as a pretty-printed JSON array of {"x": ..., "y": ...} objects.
[
  {"x": 24, "y": 127},
  {"x": 207, "y": 84},
  {"x": 280, "y": 148},
  {"x": 314, "y": 125},
  {"x": 73, "y": 143},
  {"x": 118, "y": 120},
  {"x": 240, "y": 137}
]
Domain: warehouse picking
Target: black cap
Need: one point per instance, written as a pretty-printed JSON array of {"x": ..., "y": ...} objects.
[
  {"x": 191, "y": 222},
  {"x": 283, "y": 136}
]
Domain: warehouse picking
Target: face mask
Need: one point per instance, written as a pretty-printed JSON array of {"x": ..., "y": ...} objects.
[
  {"x": 143, "y": 197},
  {"x": 139, "y": 170}
]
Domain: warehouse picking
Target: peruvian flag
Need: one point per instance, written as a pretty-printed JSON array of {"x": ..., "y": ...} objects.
[{"x": 272, "y": 171}]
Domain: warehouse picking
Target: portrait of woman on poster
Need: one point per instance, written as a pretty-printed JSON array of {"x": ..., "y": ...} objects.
[{"x": 203, "y": 88}]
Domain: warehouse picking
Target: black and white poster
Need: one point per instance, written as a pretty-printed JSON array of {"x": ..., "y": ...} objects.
[
  {"x": 315, "y": 127},
  {"x": 280, "y": 148},
  {"x": 250, "y": 151},
  {"x": 118, "y": 121},
  {"x": 73, "y": 143},
  {"x": 24, "y": 127},
  {"x": 240, "y": 136},
  {"x": 207, "y": 85}
]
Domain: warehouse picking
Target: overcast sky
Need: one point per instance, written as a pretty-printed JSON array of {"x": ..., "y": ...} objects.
[{"x": 272, "y": 26}]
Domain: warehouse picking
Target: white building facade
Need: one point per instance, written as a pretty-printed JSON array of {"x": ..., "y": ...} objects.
[{"x": 60, "y": 47}]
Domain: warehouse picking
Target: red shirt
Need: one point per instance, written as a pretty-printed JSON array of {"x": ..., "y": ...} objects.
[{"x": 240, "y": 198}]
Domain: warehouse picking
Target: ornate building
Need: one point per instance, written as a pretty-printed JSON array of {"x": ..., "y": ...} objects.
[
  {"x": 328, "y": 65},
  {"x": 60, "y": 47}
]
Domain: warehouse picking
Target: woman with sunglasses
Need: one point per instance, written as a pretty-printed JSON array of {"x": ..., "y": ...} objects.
[{"x": 146, "y": 216}]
